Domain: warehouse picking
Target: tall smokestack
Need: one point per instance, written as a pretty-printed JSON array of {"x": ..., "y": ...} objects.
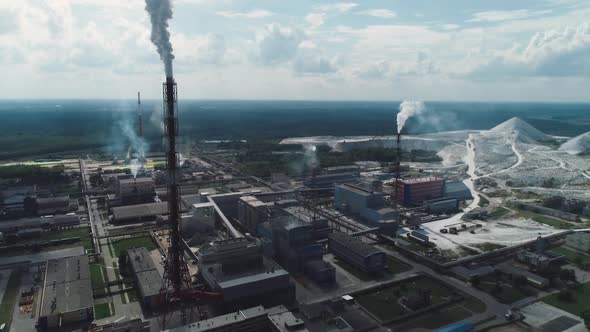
[{"x": 397, "y": 169}]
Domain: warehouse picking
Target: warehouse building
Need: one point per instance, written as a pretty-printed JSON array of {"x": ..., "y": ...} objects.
[
  {"x": 54, "y": 205},
  {"x": 357, "y": 253},
  {"x": 415, "y": 191},
  {"x": 67, "y": 293},
  {"x": 139, "y": 213},
  {"x": 236, "y": 269},
  {"x": 146, "y": 276},
  {"x": 46, "y": 223},
  {"x": 294, "y": 243},
  {"x": 579, "y": 241},
  {"x": 15, "y": 201}
]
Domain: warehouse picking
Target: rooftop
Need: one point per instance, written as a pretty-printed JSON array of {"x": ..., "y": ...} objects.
[
  {"x": 67, "y": 286},
  {"x": 140, "y": 210},
  {"x": 140, "y": 259},
  {"x": 354, "y": 244},
  {"x": 149, "y": 282},
  {"x": 421, "y": 180},
  {"x": 136, "y": 180}
]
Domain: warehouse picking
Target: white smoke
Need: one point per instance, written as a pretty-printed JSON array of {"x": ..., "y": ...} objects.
[
  {"x": 309, "y": 155},
  {"x": 160, "y": 12},
  {"x": 408, "y": 109},
  {"x": 134, "y": 165},
  {"x": 137, "y": 146}
]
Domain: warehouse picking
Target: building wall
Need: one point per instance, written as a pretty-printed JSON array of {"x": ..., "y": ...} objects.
[
  {"x": 413, "y": 192},
  {"x": 372, "y": 263}
]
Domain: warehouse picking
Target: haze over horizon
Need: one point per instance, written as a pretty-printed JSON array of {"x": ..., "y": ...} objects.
[{"x": 307, "y": 50}]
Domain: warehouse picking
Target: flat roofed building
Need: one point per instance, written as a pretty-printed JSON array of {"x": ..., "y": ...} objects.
[
  {"x": 147, "y": 278},
  {"x": 52, "y": 205},
  {"x": 139, "y": 212},
  {"x": 67, "y": 293},
  {"x": 357, "y": 253}
]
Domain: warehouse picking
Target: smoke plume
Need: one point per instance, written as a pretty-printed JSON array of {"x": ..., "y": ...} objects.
[
  {"x": 160, "y": 12},
  {"x": 310, "y": 156},
  {"x": 408, "y": 109},
  {"x": 137, "y": 146}
]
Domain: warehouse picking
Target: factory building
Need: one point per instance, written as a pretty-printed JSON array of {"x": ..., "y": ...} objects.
[
  {"x": 135, "y": 190},
  {"x": 415, "y": 191},
  {"x": 457, "y": 190},
  {"x": 146, "y": 276},
  {"x": 579, "y": 241},
  {"x": 357, "y": 253},
  {"x": 366, "y": 201},
  {"x": 139, "y": 212},
  {"x": 251, "y": 212},
  {"x": 293, "y": 243},
  {"x": 350, "y": 169},
  {"x": 236, "y": 269},
  {"x": 255, "y": 319},
  {"x": 330, "y": 180},
  {"x": 45, "y": 223},
  {"x": 67, "y": 293},
  {"x": 54, "y": 205},
  {"x": 441, "y": 205},
  {"x": 13, "y": 200}
]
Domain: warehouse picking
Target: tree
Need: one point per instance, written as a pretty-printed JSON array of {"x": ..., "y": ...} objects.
[{"x": 475, "y": 281}]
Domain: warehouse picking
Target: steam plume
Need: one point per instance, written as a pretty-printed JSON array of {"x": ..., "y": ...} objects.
[
  {"x": 310, "y": 156},
  {"x": 407, "y": 109},
  {"x": 160, "y": 12}
]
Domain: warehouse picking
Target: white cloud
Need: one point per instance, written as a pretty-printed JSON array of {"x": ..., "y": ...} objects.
[
  {"x": 310, "y": 61},
  {"x": 278, "y": 44},
  {"x": 451, "y": 26},
  {"x": 506, "y": 15},
  {"x": 380, "y": 13},
  {"x": 258, "y": 13},
  {"x": 551, "y": 53},
  {"x": 315, "y": 20},
  {"x": 341, "y": 7}
]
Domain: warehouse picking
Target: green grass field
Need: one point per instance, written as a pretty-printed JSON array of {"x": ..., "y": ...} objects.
[
  {"x": 383, "y": 303},
  {"x": 396, "y": 266},
  {"x": 82, "y": 232},
  {"x": 579, "y": 305},
  {"x": 498, "y": 213},
  {"x": 546, "y": 220},
  {"x": 120, "y": 246},
  {"x": 436, "y": 319},
  {"x": 9, "y": 298},
  {"x": 103, "y": 310},
  {"x": 508, "y": 293},
  {"x": 580, "y": 260}
]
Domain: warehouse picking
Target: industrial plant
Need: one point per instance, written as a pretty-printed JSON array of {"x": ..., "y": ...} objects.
[{"x": 468, "y": 230}]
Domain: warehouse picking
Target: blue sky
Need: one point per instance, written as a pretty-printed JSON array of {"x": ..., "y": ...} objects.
[{"x": 318, "y": 50}]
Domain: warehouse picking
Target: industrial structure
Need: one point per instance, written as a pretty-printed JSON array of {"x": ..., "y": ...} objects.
[
  {"x": 417, "y": 190},
  {"x": 367, "y": 201},
  {"x": 357, "y": 253},
  {"x": 67, "y": 293},
  {"x": 147, "y": 278},
  {"x": 237, "y": 270},
  {"x": 134, "y": 190}
]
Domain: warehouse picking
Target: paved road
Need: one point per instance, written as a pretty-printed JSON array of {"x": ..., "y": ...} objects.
[{"x": 122, "y": 310}]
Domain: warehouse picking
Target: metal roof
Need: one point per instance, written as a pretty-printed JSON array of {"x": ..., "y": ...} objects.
[
  {"x": 354, "y": 244},
  {"x": 140, "y": 210}
]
